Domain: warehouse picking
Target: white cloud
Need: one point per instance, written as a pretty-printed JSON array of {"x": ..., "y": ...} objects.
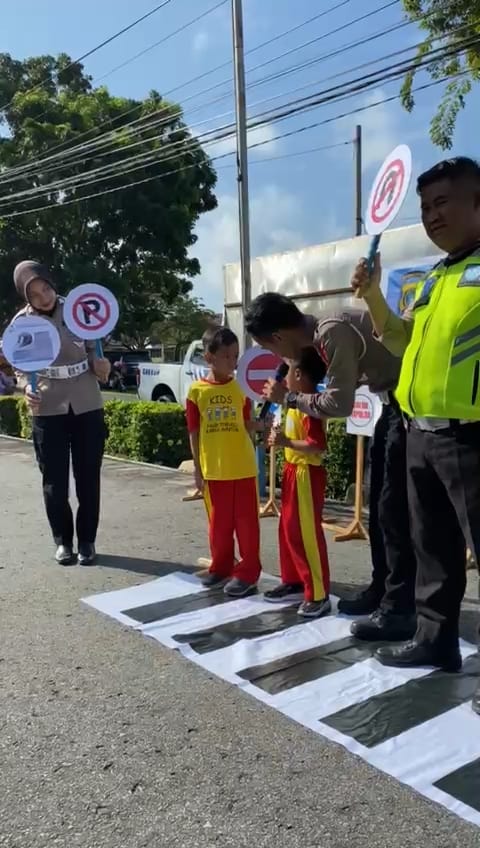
[
  {"x": 271, "y": 212},
  {"x": 201, "y": 40},
  {"x": 379, "y": 129},
  {"x": 264, "y": 136}
]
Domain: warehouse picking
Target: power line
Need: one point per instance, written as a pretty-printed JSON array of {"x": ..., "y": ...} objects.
[
  {"x": 93, "y": 50},
  {"x": 194, "y": 96},
  {"x": 145, "y": 180},
  {"x": 162, "y": 40},
  {"x": 152, "y": 157}
]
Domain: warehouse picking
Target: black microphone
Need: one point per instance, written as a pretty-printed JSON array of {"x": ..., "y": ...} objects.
[{"x": 280, "y": 375}]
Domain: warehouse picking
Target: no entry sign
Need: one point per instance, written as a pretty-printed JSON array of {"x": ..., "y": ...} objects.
[
  {"x": 389, "y": 190},
  {"x": 255, "y": 367},
  {"x": 366, "y": 411},
  {"x": 90, "y": 311}
]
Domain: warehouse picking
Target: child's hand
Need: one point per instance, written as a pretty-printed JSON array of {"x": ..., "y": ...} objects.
[
  {"x": 199, "y": 481},
  {"x": 277, "y": 439}
]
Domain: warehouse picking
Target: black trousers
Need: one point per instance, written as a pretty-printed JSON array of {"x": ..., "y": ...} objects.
[
  {"x": 55, "y": 438},
  {"x": 444, "y": 493},
  {"x": 393, "y": 558}
]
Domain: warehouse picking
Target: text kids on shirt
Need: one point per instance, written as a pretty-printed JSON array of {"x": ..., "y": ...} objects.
[
  {"x": 218, "y": 420},
  {"x": 303, "y": 550}
]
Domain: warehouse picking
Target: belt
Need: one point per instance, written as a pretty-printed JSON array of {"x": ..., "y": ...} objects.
[
  {"x": 434, "y": 425},
  {"x": 65, "y": 372}
]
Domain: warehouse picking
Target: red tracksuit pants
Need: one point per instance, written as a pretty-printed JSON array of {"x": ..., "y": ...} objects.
[
  {"x": 303, "y": 549},
  {"x": 232, "y": 509}
]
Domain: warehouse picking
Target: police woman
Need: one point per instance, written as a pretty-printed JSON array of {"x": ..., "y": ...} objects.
[{"x": 68, "y": 419}]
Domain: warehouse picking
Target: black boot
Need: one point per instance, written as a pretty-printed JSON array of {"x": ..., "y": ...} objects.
[
  {"x": 64, "y": 555},
  {"x": 415, "y": 654},
  {"x": 364, "y": 603},
  {"x": 86, "y": 554},
  {"x": 385, "y": 627}
]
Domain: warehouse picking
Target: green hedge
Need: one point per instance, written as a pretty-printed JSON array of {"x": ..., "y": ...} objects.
[
  {"x": 14, "y": 417},
  {"x": 156, "y": 432},
  {"x": 147, "y": 432}
]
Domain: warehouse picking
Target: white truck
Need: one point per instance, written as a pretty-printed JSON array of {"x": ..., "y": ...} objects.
[{"x": 169, "y": 382}]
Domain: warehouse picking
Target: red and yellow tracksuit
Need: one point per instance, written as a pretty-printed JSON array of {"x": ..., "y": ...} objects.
[
  {"x": 303, "y": 549},
  {"x": 218, "y": 411}
]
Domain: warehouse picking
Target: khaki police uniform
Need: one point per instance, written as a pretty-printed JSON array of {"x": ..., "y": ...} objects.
[{"x": 69, "y": 424}]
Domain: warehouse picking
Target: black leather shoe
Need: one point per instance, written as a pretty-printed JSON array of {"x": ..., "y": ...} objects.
[
  {"x": 64, "y": 555},
  {"x": 416, "y": 654},
  {"x": 476, "y": 701},
  {"x": 384, "y": 627},
  {"x": 86, "y": 554},
  {"x": 364, "y": 603}
]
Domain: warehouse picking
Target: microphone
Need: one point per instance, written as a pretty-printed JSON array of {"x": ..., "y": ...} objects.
[{"x": 280, "y": 375}]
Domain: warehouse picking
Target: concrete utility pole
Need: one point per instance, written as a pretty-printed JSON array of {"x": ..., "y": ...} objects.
[
  {"x": 358, "y": 180},
  {"x": 242, "y": 155}
]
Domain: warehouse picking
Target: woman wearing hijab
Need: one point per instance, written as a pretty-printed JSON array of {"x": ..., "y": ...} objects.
[{"x": 68, "y": 420}]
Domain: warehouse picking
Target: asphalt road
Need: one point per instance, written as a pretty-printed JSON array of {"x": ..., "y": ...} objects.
[{"x": 107, "y": 739}]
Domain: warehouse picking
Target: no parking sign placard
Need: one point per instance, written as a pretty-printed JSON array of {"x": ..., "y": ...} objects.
[{"x": 90, "y": 311}]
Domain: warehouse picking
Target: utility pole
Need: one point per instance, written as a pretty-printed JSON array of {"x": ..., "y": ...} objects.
[
  {"x": 358, "y": 180},
  {"x": 242, "y": 156}
]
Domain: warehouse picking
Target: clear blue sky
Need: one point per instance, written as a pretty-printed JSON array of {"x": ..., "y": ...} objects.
[{"x": 294, "y": 201}]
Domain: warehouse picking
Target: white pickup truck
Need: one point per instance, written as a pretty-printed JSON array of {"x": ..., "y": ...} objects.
[{"x": 169, "y": 382}]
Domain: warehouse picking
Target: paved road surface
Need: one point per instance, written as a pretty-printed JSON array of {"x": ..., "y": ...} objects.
[{"x": 107, "y": 739}]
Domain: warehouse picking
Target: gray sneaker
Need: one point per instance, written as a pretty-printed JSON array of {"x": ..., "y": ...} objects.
[
  {"x": 236, "y": 588},
  {"x": 315, "y": 609}
]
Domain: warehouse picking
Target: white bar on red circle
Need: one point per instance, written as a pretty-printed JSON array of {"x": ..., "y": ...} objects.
[{"x": 254, "y": 368}]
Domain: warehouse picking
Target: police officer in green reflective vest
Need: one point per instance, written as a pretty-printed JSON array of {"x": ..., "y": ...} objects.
[{"x": 439, "y": 394}]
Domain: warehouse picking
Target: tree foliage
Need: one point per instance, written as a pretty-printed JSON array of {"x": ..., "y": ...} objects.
[
  {"x": 185, "y": 321},
  {"x": 135, "y": 241},
  {"x": 454, "y": 24}
]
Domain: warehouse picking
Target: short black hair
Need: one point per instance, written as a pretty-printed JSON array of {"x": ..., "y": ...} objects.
[
  {"x": 271, "y": 312},
  {"x": 216, "y": 337},
  {"x": 311, "y": 365},
  {"x": 450, "y": 169}
]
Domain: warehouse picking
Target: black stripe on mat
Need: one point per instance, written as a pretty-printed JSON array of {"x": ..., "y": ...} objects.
[
  {"x": 382, "y": 717},
  {"x": 214, "y": 638},
  {"x": 160, "y": 610},
  {"x": 463, "y": 784},
  {"x": 287, "y": 672}
]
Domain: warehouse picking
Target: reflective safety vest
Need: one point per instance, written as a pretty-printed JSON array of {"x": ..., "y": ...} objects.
[{"x": 441, "y": 365}]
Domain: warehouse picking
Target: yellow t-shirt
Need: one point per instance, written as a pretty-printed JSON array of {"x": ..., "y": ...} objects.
[
  {"x": 217, "y": 411},
  {"x": 301, "y": 427}
]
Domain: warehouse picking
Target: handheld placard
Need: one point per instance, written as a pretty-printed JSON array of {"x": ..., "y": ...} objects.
[
  {"x": 30, "y": 344},
  {"x": 387, "y": 195},
  {"x": 91, "y": 312}
]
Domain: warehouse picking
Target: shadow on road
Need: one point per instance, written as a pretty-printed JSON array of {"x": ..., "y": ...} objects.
[{"x": 155, "y": 568}]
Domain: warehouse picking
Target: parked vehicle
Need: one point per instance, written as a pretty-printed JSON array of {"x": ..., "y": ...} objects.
[{"x": 169, "y": 382}]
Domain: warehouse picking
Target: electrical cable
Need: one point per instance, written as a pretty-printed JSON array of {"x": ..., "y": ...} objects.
[
  {"x": 227, "y": 131},
  {"x": 325, "y": 121},
  {"x": 93, "y": 50},
  {"x": 211, "y": 88}
]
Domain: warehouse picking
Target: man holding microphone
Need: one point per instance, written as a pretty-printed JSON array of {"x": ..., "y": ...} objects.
[{"x": 439, "y": 394}]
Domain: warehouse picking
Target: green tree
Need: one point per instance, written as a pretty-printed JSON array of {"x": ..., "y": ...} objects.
[
  {"x": 455, "y": 26},
  {"x": 186, "y": 320},
  {"x": 136, "y": 240}
]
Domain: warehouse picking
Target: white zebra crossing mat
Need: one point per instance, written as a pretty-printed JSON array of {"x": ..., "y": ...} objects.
[{"x": 413, "y": 724}]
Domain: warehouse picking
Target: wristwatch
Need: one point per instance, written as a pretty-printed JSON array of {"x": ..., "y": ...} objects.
[{"x": 291, "y": 400}]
